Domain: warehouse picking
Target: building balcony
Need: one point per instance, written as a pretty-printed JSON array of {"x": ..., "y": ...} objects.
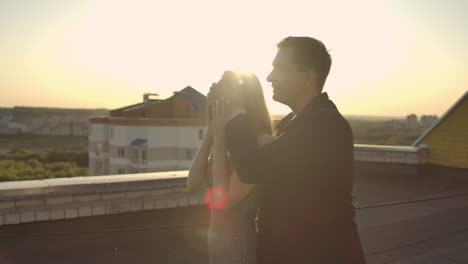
[{"x": 139, "y": 163}]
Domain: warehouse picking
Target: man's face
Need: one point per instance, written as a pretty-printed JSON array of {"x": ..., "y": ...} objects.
[{"x": 288, "y": 83}]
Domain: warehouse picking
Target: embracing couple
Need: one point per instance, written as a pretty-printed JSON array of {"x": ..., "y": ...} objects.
[{"x": 280, "y": 195}]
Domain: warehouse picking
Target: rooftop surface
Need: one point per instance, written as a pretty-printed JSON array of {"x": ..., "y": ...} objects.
[{"x": 401, "y": 220}]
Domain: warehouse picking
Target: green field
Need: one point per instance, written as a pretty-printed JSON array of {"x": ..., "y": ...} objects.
[
  {"x": 29, "y": 157},
  {"x": 383, "y": 133}
]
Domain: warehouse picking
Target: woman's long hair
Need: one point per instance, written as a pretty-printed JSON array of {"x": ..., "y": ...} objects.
[
  {"x": 254, "y": 101},
  {"x": 251, "y": 93}
]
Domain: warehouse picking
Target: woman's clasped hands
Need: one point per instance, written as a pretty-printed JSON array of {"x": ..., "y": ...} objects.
[{"x": 221, "y": 114}]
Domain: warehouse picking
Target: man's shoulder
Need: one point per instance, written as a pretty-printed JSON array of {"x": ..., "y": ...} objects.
[
  {"x": 281, "y": 124},
  {"x": 328, "y": 115},
  {"x": 330, "y": 121}
]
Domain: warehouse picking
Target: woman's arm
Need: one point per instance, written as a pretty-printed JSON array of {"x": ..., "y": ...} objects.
[
  {"x": 197, "y": 174},
  {"x": 238, "y": 190},
  {"x": 220, "y": 171},
  {"x": 223, "y": 177},
  {"x": 198, "y": 171},
  {"x": 226, "y": 179}
]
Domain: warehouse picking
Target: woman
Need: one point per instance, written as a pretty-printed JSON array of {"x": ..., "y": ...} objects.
[{"x": 233, "y": 204}]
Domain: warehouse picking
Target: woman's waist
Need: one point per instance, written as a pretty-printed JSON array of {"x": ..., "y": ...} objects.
[{"x": 224, "y": 216}]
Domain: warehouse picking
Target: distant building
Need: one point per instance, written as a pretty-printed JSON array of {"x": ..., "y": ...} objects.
[
  {"x": 8, "y": 125},
  {"x": 58, "y": 128},
  {"x": 5, "y": 117},
  {"x": 12, "y": 127},
  {"x": 63, "y": 125},
  {"x": 425, "y": 121},
  {"x": 412, "y": 121},
  {"x": 154, "y": 135},
  {"x": 428, "y": 120},
  {"x": 448, "y": 137}
]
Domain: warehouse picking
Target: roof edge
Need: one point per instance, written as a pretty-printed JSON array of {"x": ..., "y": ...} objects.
[{"x": 450, "y": 110}]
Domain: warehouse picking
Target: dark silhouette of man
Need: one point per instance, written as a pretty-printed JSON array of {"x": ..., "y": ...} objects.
[{"x": 306, "y": 215}]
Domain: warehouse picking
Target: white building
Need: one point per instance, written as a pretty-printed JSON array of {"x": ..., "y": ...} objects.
[{"x": 155, "y": 135}]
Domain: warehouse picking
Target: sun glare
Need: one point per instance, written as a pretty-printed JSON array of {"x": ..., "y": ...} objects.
[{"x": 123, "y": 49}]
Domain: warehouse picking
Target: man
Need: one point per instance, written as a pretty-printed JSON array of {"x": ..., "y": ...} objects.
[{"x": 307, "y": 214}]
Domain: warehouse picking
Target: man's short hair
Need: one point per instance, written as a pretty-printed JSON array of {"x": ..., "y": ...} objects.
[{"x": 309, "y": 54}]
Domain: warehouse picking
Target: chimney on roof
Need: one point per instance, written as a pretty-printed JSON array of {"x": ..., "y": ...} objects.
[{"x": 146, "y": 96}]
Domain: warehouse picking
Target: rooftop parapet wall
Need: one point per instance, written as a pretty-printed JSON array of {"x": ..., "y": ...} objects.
[
  {"x": 391, "y": 154},
  {"x": 67, "y": 198}
]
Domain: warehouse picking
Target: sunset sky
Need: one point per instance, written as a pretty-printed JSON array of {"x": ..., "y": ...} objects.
[{"x": 390, "y": 58}]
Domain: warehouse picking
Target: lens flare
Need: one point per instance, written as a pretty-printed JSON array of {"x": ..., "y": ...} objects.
[{"x": 216, "y": 198}]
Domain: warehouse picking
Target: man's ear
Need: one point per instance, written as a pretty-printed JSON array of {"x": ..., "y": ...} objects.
[{"x": 311, "y": 78}]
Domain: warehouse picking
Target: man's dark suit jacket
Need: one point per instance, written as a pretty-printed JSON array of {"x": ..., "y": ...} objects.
[{"x": 307, "y": 214}]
